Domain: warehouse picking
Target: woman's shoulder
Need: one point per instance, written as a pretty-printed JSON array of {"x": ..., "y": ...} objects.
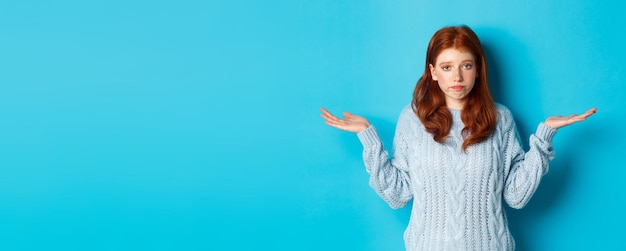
[
  {"x": 407, "y": 109},
  {"x": 505, "y": 117},
  {"x": 503, "y": 111},
  {"x": 408, "y": 115}
]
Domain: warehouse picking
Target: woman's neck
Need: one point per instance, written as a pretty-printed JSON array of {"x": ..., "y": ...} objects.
[{"x": 455, "y": 106}]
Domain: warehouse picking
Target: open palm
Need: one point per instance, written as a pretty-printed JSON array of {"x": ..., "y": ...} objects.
[
  {"x": 557, "y": 122},
  {"x": 350, "y": 122}
]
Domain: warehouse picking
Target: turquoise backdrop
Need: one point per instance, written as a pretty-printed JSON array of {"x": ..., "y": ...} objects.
[{"x": 194, "y": 125}]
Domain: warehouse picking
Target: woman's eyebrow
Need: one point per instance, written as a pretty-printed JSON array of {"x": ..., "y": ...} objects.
[{"x": 450, "y": 62}]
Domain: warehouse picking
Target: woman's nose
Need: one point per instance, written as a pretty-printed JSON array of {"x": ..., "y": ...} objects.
[{"x": 458, "y": 76}]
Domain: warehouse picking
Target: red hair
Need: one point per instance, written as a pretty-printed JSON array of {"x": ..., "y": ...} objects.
[{"x": 479, "y": 114}]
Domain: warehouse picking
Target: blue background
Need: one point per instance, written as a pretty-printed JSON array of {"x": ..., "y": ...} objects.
[{"x": 194, "y": 125}]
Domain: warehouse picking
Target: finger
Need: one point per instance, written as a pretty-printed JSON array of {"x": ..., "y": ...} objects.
[
  {"x": 331, "y": 119},
  {"x": 574, "y": 120},
  {"x": 589, "y": 112},
  {"x": 349, "y": 115},
  {"x": 585, "y": 115},
  {"x": 324, "y": 111},
  {"x": 327, "y": 115},
  {"x": 331, "y": 123},
  {"x": 336, "y": 125}
]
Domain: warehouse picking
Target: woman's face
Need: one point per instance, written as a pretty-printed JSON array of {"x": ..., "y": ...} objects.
[{"x": 455, "y": 71}]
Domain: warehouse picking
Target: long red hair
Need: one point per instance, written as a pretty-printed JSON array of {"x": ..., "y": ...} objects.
[{"x": 479, "y": 114}]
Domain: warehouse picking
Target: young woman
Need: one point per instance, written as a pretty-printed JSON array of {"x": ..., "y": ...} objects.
[{"x": 456, "y": 152}]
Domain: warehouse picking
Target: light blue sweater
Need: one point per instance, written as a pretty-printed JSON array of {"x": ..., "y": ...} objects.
[{"x": 457, "y": 197}]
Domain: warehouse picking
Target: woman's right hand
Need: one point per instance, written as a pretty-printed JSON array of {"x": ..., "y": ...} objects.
[{"x": 351, "y": 123}]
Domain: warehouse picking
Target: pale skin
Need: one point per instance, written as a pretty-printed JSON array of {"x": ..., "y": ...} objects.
[
  {"x": 455, "y": 72},
  {"x": 354, "y": 123}
]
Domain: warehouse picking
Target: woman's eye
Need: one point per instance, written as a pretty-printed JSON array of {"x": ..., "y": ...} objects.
[
  {"x": 467, "y": 66},
  {"x": 446, "y": 67}
]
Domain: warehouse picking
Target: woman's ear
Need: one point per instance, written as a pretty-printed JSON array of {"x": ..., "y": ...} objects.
[{"x": 432, "y": 71}]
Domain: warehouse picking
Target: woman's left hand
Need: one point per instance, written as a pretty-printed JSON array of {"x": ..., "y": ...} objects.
[{"x": 557, "y": 122}]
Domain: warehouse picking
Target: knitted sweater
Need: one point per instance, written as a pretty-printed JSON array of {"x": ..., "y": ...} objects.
[{"x": 457, "y": 197}]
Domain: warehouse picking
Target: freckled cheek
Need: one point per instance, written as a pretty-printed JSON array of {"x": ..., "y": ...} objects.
[{"x": 470, "y": 75}]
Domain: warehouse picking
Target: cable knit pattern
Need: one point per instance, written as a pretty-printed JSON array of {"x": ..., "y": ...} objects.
[{"x": 458, "y": 197}]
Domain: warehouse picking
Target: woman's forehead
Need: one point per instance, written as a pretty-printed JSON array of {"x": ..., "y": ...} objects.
[{"x": 454, "y": 54}]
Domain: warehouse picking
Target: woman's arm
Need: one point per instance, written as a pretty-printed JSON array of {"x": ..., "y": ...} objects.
[
  {"x": 388, "y": 178},
  {"x": 526, "y": 168},
  {"x": 557, "y": 122}
]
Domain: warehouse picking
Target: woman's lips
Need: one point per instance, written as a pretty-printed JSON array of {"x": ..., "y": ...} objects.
[{"x": 457, "y": 87}]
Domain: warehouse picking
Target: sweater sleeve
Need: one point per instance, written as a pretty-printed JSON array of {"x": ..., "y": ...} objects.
[
  {"x": 525, "y": 169},
  {"x": 388, "y": 177}
]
